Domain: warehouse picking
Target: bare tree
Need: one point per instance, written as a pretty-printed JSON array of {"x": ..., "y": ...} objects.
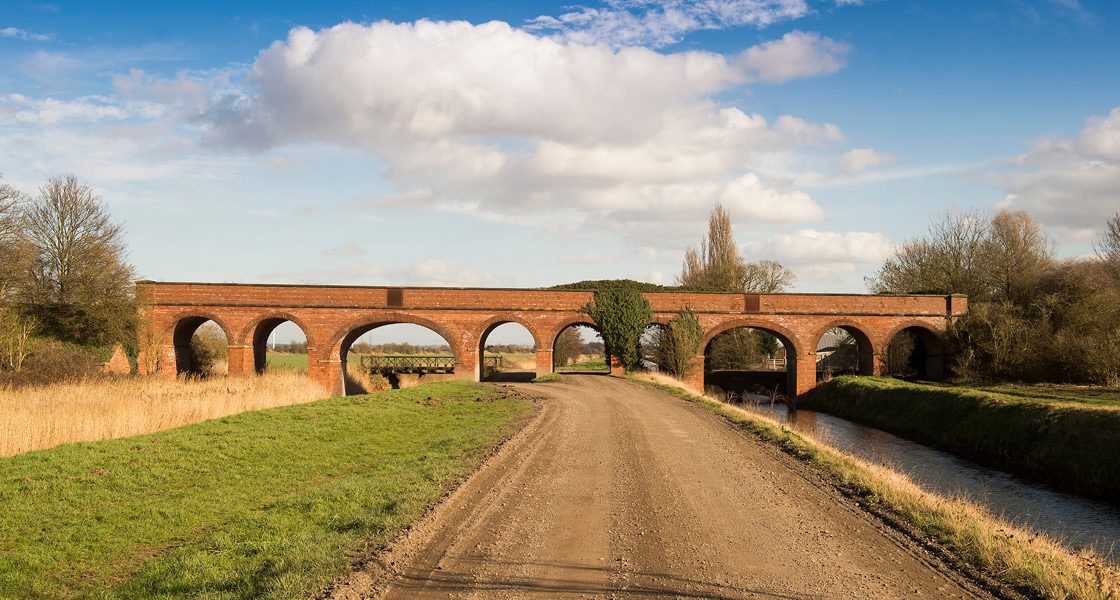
[
  {"x": 13, "y": 252},
  {"x": 766, "y": 277},
  {"x": 949, "y": 260},
  {"x": 567, "y": 348},
  {"x": 1107, "y": 243},
  {"x": 78, "y": 276},
  {"x": 1017, "y": 255},
  {"x": 718, "y": 265}
]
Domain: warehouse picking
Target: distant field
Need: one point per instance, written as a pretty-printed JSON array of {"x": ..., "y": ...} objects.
[
  {"x": 595, "y": 364},
  {"x": 266, "y": 504},
  {"x": 294, "y": 362}
]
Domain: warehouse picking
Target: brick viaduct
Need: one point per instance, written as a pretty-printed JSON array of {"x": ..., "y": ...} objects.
[{"x": 334, "y": 317}]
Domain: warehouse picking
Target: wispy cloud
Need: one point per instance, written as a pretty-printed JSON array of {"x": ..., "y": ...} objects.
[
  {"x": 20, "y": 34},
  {"x": 659, "y": 23}
]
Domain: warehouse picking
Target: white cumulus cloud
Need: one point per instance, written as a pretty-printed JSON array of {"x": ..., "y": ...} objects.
[
  {"x": 495, "y": 121},
  {"x": 796, "y": 54},
  {"x": 1069, "y": 184}
]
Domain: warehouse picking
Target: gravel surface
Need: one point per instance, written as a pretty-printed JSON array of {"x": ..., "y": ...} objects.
[{"x": 619, "y": 490}]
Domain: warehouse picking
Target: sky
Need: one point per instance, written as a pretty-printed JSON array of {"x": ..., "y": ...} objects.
[{"x": 524, "y": 144}]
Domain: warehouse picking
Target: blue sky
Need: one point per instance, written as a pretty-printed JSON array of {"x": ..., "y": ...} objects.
[{"x": 535, "y": 143}]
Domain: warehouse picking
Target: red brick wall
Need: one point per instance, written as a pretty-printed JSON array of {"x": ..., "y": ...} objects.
[{"x": 329, "y": 314}]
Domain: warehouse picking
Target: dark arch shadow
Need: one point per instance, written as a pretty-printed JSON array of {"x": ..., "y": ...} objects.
[
  {"x": 183, "y": 329},
  {"x": 915, "y": 352}
]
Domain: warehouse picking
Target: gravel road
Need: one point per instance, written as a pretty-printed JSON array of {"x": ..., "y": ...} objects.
[{"x": 618, "y": 490}]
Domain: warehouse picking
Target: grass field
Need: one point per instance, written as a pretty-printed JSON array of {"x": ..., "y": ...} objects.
[
  {"x": 291, "y": 362},
  {"x": 266, "y": 504},
  {"x": 595, "y": 364}
]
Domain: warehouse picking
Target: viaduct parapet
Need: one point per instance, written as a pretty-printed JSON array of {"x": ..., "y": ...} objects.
[{"x": 334, "y": 317}]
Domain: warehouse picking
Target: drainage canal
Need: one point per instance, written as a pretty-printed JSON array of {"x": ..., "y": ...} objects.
[{"x": 1074, "y": 521}]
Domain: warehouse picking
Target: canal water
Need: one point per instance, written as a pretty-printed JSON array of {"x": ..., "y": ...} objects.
[{"x": 1074, "y": 521}]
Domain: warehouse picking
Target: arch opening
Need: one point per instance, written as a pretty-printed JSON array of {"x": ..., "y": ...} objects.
[
  {"x": 507, "y": 352},
  {"x": 915, "y": 353},
  {"x": 844, "y": 350},
  {"x": 658, "y": 351},
  {"x": 201, "y": 348},
  {"x": 579, "y": 347},
  {"x": 393, "y": 355},
  {"x": 279, "y": 345},
  {"x": 749, "y": 362}
]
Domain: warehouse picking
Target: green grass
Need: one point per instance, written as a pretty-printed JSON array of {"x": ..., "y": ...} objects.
[
  {"x": 1068, "y": 443},
  {"x": 270, "y": 504},
  {"x": 595, "y": 364},
  {"x": 549, "y": 378},
  {"x": 1046, "y": 392},
  {"x": 295, "y": 362}
]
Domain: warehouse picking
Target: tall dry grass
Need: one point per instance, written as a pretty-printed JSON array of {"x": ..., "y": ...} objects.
[
  {"x": 33, "y": 418},
  {"x": 1024, "y": 559}
]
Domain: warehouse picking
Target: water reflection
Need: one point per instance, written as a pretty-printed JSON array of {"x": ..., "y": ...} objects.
[{"x": 1073, "y": 520}]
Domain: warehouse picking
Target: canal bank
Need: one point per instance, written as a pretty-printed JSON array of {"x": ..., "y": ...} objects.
[{"x": 1072, "y": 446}]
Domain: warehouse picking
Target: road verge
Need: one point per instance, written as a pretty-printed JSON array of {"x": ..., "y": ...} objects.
[{"x": 1026, "y": 563}]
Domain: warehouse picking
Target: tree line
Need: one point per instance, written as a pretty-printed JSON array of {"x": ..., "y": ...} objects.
[{"x": 1031, "y": 316}]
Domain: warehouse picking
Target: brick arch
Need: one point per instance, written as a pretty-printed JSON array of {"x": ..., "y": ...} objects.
[
  {"x": 555, "y": 330},
  {"x": 480, "y": 332},
  {"x": 180, "y": 354},
  {"x": 249, "y": 340},
  {"x": 794, "y": 340},
  {"x": 247, "y": 332},
  {"x": 846, "y": 324},
  {"x": 914, "y": 323},
  {"x": 174, "y": 320},
  {"x": 866, "y": 345},
  {"x": 935, "y": 348},
  {"x": 334, "y": 346}
]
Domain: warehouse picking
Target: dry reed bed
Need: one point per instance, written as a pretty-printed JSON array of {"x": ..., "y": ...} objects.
[
  {"x": 33, "y": 418},
  {"x": 1024, "y": 559}
]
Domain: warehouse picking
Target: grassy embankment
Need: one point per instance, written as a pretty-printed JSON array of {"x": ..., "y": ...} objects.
[
  {"x": 1031, "y": 564},
  {"x": 273, "y": 503},
  {"x": 1067, "y": 437}
]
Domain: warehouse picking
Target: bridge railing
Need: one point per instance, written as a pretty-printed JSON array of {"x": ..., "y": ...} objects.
[{"x": 422, "y": 363}]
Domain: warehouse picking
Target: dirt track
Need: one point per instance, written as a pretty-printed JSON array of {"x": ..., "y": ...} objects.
[{"x": 617, "y": 490}]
